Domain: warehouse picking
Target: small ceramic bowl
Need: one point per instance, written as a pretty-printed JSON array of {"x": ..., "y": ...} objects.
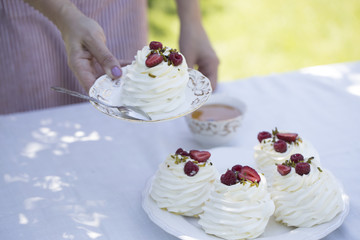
[{"x": 211, "y": 132}]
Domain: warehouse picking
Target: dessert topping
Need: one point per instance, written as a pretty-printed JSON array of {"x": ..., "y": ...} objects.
[
  {"x": 236, "y": 168},
  {"x": 297, "y": 161},
  {"x": 297, "y": 157},
  {"x": 181, "y": 152},
  {"x": 200, "y": 156},
  {"x": 154, "y": 45},
  {"x": 248, "y": 173},
  {"x": 175, "y": 58},
  {"x": 229, "y": 178},
  {"x": 263, "y": 135},
  {"x": 153, "y": 60},
  {"x": 280, "y": 146},
  {"x": 191, "y": 168},
  {"x": 287, "y": 137},
  {"x": 302, "y": 168},
  {"x": 240, "y": 174},
  {"x": 283, "y": 169}
]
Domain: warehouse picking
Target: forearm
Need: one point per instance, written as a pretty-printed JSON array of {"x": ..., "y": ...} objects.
[
  {"x": 189, "y": 12},
  {"x": 60, "y": 12}
]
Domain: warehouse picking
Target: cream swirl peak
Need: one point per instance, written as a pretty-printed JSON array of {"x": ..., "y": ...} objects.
[
  {"x": 156, "y": 80},
  {"x": 305, "y": 195},
  {"x": 237, "y": 209},
  {"x": 183, "y": 182},
  {"x": 276, "y": 147}
]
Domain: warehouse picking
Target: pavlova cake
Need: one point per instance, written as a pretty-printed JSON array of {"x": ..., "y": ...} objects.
[
  {"x": 239, "y": 207},
  {"x": 183, "y": 182},
  {"x": 156, "y": 80},
  {"x": 305, "y": 194},
  {"x": 278, "y": 146}
]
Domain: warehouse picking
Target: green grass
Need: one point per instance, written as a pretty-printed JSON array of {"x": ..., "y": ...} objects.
[{"x": 260, "y": 37}]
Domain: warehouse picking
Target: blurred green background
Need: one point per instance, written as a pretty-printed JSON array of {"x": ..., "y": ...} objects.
[{"x": 258, "y": 37}]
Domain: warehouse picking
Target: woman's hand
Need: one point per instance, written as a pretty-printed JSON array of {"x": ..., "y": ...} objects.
[
  {"x": 85, "y": 42},
  {"x": 88, "y": 56}
]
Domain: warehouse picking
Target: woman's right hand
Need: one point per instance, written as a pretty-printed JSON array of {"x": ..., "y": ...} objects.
[
  {"x": 88, "y": 55},
  {"x": 85, "y": 42}
]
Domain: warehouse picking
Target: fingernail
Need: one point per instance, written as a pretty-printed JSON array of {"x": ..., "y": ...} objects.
[{"x": 116, "y": 71}]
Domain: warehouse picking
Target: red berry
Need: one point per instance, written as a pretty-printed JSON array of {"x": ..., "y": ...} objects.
[
  {"x": 175, "y": 58},
  {"x": 236, "y": 168},
  {"x": 154, "y": 45},
  {"x": 287, "y": 137},
  {"x": 228, "y": 178},
  {"x": 297, "y": 157},
  {"x": 263, "y": 135},
  {"x": 248, "y": 173},
  {"x": 302, "y": 168},
  {"x": 153, "y": 60},
  {"x": 191, "y": 168},
  {"x": 283, "y": 169},
  {"x": 200, "y": 156},
  {"x": 280, "y": 146},
  {"x": 181, "y": 152}
]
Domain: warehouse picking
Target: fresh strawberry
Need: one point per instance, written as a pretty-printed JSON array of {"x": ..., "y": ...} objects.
[
  {"x": 248, "y": 173},
  {"x": 200, "y": 156},
  {"x": 153, "y": 60},
  {"x": 154, "y": 45},
  {"x": 263, "y": 135},
  {"x": 297, "y": 157},
  {"x": 228, "y": 178},
  {"x": 175, "y": 58},
  {"x": 283, "y": 169},
  {"x": 191, "y": 168},
  {"x": 302, "y": 168},
  {"x": 287, "y": 137},
  {"x": 280, "y": 146}
]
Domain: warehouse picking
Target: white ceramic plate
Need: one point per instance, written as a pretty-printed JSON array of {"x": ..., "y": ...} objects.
[
  {"x": 197, "y": 92},
  {"x": 187, "y": 228}
]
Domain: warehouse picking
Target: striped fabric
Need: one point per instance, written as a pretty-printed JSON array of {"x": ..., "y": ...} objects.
[{"x": 33, "y": 57}]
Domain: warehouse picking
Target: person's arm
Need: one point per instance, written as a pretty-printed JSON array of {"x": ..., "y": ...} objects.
[
  {"x": 88, "y": 56},
  {"x": 194, "y": 43}
]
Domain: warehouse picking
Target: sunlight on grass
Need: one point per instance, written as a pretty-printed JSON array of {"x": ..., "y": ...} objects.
[{"x": 261, "y": 37}]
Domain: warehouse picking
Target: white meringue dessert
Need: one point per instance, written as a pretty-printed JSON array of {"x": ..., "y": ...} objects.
[
  {"x": 156, "y": 80},
  {"x": 239, "y": 207},
  {"x": 276, "y": 147},
  {"x": 183, "y": 182},
  {"x": 305, "y": 194}
]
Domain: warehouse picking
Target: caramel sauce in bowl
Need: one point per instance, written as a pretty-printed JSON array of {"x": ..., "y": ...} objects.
[
  {"x": 217, "y": 122},
  {"x": 216, "y": 112}
]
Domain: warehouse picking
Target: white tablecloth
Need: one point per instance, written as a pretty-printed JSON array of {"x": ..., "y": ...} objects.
[{"x": 74, "y": 173}]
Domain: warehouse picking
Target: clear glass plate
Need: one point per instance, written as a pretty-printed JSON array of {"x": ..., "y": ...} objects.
[
  {"x": 187, "y": 228},
  {"x": 197, "y": 92}
]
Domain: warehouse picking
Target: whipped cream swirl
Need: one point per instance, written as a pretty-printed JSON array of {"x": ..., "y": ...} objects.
[
  {"x": 307, "y": 200},
  {"x": 266, "y": 157},
  {"x": 238, "y": 211},
  {"x": 156, "y": 90},
  {"x": 176, "y": 192}
]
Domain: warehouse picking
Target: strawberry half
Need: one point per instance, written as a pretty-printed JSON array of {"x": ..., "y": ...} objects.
[
  {"x": 283, "y": 169},
  {"x": 153, "y": 60},
  {"x": 287, "y": 137},
  {"x": 248, "y": 173},
  {"x": 200, "y": 156}
]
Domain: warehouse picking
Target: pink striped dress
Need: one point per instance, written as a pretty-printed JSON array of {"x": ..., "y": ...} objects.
[{"x": 33, "y": 57}]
